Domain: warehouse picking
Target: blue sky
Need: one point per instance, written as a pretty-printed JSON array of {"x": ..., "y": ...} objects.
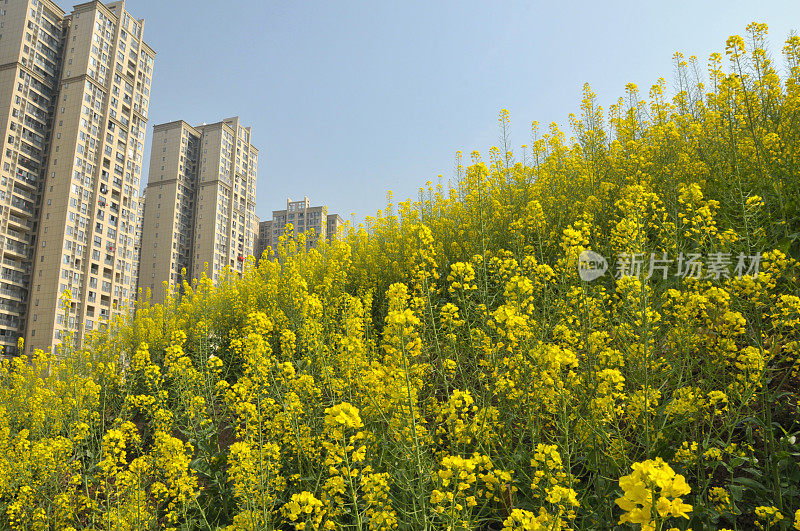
[{"x": 350, "y": 99}]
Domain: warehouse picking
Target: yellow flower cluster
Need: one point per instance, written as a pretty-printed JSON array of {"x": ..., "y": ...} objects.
[
  {"x": 305, "y": 511},
  {"x": 652, "y": 494},
  {"x": 767, "y": 516}
]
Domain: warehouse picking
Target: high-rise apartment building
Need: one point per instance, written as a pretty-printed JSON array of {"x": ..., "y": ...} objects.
[
  {"x": 335, "y": 223},
  {"x": 137, "y": 241},
  {"x": 303, "y": 218},
  {"x": 256, "y": 235},
  {"x": 200, "y": 202},
  {"x": 31, "y": 35},
  {"x": 264, "y": 238},
  {"x": 74, "y": 93}
]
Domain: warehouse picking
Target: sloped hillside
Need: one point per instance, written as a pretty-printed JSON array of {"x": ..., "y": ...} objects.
[{"x": 459, "y": 362}]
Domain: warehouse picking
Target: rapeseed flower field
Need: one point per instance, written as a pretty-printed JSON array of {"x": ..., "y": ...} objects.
[{"x": 447, "y": 364}]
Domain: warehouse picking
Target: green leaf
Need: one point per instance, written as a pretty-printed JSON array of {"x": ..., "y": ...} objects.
[{"x": 751, "y": 484}]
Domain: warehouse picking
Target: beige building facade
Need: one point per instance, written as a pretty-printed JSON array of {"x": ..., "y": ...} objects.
[
  {"x": 30, "y": 61},
  {"x": 334, "y": 227},
  {"x": 74, "y": 94},
  {"x": 199, "y": 213},
  {"x": 256, "y": 235},
  {"x": 264, "y": 240},
  {"x": 137, "y": 242}
]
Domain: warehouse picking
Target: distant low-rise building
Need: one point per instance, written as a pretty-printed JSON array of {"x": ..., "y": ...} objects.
[
  {"x": 304, "y": 218},
  {"x": 335, "y": 222}
]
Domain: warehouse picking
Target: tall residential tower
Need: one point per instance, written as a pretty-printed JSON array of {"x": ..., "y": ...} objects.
[
  {"x": 74, "y": 93},
  {"x": 90, "y": 186},
  {"x": 31, "y": 47},
  {"x": 199, "y": 212}
]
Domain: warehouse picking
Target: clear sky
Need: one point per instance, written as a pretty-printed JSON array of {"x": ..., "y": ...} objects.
[{"x": 347, "y": 100}]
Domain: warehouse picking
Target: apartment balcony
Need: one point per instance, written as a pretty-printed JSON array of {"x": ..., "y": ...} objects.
[
  {"x": 23, "y": 267},
  {"x": 21, "y": 208},
  {"x": 33, "y": 139},
  {"x": 46, "y": 38},
  {"x": 20, "y": 223},
  {"x": 12, "y": 324},
  {"x": 36, "y": 101},
  {"x": 20, "y": 280},
  {"x": 12, "y": 293},
  {"x": 47, "y": 71},
  {"x": 30, "y": 165},
  {"x": 25, "y": 178},
  {"x": 19, "y": 251},
  {"x": 75, "y": 286},
  {"x": 10, "y": 307},
  {"x": 25, "y": 194},
  {"x": 36, "y": 113}
]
